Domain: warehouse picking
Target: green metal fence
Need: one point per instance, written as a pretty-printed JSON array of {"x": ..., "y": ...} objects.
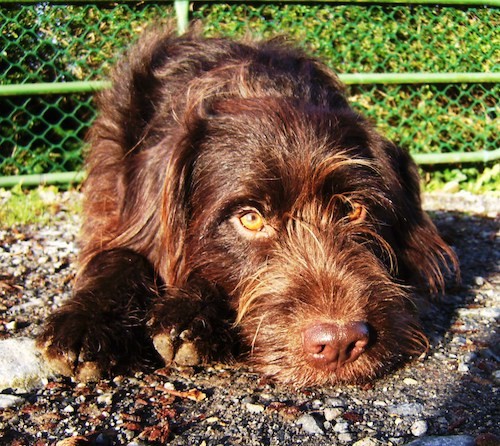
[{"x": 427, "y": 74}]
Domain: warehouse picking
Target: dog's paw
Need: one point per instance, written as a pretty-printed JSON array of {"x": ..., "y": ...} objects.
[
  {"x": 67, "y": 348},
  {"x": 189, "y": 332},
  {"x": 179, "y": 350},
  {"x": 90, "y": 343},
  {"x": 187, "y": 344}
]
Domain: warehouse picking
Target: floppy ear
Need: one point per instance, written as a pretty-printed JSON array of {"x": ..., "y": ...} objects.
[
  {"x": 424, "y": 258},
  {"x": 175, "y": 202}
]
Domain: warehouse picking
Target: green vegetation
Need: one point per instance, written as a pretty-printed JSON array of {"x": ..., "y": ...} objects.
[
  {"x": 50, "y": 42},
  {"x": 19, "y": 206},
  {"x": 474, "y": 179}
]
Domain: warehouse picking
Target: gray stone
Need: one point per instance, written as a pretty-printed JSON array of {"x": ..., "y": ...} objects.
[
  {"x": 419, "y": 428},
  {"x": 451, "y": 440},
  {"x": 310, "y": 424},
  {"x": 254, "y": 408},
  {"x": 366, "y": 442},
  {"x": 9, "y": 401},
  {"x": 406, "y": 409},
  {"x": 21, "y": 364}
]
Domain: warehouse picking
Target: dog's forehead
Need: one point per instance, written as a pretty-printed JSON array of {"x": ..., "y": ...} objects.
[{"x": 279, "y": 154}]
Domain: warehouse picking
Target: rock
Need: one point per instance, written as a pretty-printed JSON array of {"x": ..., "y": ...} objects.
[
  {"x": 496, "y": 376},
  {"x": 69, "y": 409},
  {"x": 484, "y": 312},
  {"x": 452, "y": 440},
  {"x": 341, "y": 428},
  {"x": 479, "y": 281},
  {"x": 22, "y": 365},
  {"x": 254, "y": 408},
  {"x": 105, "y": 398},
  {"x": 410, "y": 381},
  {"x": 334, "y": 402},
  {"x": 310, "y": 425},
  {"x": 419, "y": 428},
  {"x": 406, "y": 409},
  {"x": 9, "y": 401},
  {"x": 366, "y": 442},
  {"x": 345, "y": 438},
  {"x": 332, "y": 413}
]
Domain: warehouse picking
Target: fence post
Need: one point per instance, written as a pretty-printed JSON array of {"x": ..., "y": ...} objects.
[{"x": 182, "y": 14}]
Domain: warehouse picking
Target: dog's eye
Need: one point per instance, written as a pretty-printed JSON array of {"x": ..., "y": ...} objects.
[
  {"x": 252, "y": 221},
  {"x": 357, "y": 213}
]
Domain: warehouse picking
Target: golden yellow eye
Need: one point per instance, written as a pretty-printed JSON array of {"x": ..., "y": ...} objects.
[
  {"x": 252, "y": 221},
  {"x": 357, "y": 214}
]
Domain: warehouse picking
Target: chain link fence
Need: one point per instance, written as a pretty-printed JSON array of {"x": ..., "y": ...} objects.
[{"x": 449, "y": 107}]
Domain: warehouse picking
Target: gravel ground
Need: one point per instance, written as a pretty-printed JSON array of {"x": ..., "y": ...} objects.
[{"x": 449, "y": 396}]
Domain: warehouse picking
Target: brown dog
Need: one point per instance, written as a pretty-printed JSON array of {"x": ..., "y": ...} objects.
[{"x": 236, "y": 202}]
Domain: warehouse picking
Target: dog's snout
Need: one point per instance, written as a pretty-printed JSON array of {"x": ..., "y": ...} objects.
[{"x": 330, "y": 345}]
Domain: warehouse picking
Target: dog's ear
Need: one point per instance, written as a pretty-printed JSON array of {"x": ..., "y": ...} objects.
[
  {"x": 424, "y": 258},
  {"x": 175, "y": 202}
]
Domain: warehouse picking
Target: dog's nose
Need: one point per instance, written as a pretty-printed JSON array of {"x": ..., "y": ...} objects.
[{"x": 330, "y": 345}]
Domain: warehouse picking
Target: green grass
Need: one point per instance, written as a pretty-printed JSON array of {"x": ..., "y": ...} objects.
[
  {"x": 20, "y": 206},
  {"x": 474, "y": 179}
]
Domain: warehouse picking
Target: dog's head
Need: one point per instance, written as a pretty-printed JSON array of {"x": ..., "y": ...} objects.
[{"x": 312, "y": 225}]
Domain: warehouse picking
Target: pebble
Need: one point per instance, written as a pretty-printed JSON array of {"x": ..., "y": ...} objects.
[
  {"x": 310, "y": 425},
  {"x": 485, "y": 312},
  {"x": 69, "y": 409},
  {"x": 332, "y": 413},
  {"x": 317, "y": 404},
  {"x": 211, "y": 420},
  {"x": 11, "y": 326},
  {"x": 479, "y": 281},
  {"x": 254, "y": 408},
  {"x": 496, "y": 376},
  {"x": 341, "y": 427},
  {"x": 105, "y": 398},
  {"x": 368, "y": 441},
  {"x": 410, "y": 381},
  {"x": 249, "y": 399},
  {"x": 334, "y": 402},
  {"x": 345, "y": 438},
  {"x": 10, "y": 401},
  {"x": 406, "y": 409},
  {"x": 452, "y": 440},
  {"x": 419, "y": 428}
]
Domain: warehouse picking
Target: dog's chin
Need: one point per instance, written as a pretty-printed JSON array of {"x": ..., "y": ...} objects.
[
  {"x": 300, "y": 374},
  {"x": 293, "y": 370}
]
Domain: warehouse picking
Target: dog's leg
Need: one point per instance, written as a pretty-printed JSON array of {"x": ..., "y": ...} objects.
[
  {"x": 102, "y": 329},
  {"x": 193, "y": 326}
]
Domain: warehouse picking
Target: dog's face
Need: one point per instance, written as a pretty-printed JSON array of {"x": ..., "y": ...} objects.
[{"x": 309, "y": 222}]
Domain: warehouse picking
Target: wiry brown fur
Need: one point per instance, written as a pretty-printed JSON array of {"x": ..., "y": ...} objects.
[{"x": 194, "y": 133}]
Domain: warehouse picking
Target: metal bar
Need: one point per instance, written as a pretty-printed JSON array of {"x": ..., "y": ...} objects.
[
  {"x": 182, "y": 14},
  {"x": 419, "y": 78},
  {"x": 483, "y": 156},
  {"x": 400, "y": 2},
  {"x": 349, "y": 79},
  {"x": 45, "y": 178},
  {"x": 53, "y": 88}
]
